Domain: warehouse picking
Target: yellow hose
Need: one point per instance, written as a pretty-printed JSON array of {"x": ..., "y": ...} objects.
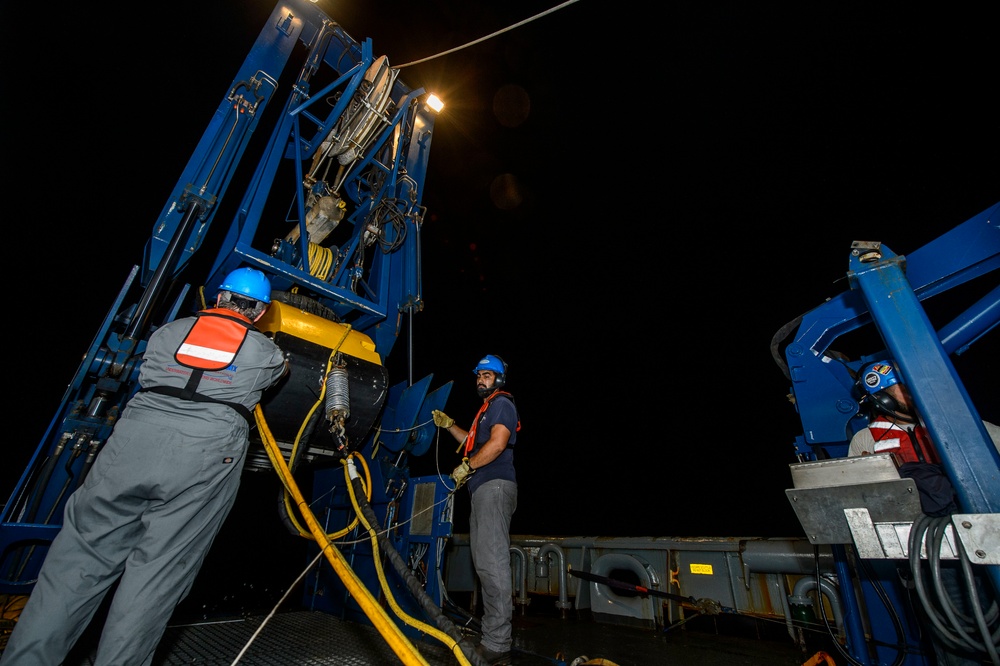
[
  {"x": 298, "y": 442},
  {"x": 393, "y": 635},
  {"x": 452, "y": 645},
  {"x": 320, "y": 261}
]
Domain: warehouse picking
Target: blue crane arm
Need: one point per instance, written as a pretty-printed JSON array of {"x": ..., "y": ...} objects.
[
  {"x": 821, "y": 386},
  {"x": 329, "y": 206},
  {"x": 886, "y": 299},
  {"x": 965, "y": 448}
]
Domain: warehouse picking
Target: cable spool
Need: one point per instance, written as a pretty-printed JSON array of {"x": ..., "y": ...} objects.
[{"x": 321, "y": 259}]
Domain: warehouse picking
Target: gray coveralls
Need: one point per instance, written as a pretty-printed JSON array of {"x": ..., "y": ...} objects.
[{"x": 147, "y": 513}]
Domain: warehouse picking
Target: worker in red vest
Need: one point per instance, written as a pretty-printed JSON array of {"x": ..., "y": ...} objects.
[
  {"x": 488, "y": 468},
  {"x": 894, "y": 427}
]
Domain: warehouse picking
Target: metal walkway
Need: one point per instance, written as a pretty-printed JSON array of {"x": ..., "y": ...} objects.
[
  {"x": 299, "y": 638},
  {"x": 309, "y": 638}
]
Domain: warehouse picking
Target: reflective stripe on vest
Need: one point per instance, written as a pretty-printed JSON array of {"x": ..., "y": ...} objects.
[
  {"x": 211, "y": 344},
  {"x": 214, "y": 340},
  {"x": 905, "y": 444}
]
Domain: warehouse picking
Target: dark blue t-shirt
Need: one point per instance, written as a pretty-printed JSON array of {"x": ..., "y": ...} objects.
[{"x": 500, "y": 410}]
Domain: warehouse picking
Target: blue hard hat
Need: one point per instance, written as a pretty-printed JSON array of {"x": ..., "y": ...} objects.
[
  {"x": 248, "y": 282},
  {"x": 490, "y": 362},
  {"x": 878, "y": 376}
]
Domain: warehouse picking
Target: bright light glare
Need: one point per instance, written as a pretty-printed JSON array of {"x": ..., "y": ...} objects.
[{"x": 435, "y": 103}]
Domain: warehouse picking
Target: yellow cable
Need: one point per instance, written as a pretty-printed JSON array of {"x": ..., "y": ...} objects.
[
  {"x": 320, "y": 260},
  {"x": 394, "y": 636},
  {"x": 298, "y": 440},
  {"x": 289, "y": 510},
  {"x": 411, "y": 621}
]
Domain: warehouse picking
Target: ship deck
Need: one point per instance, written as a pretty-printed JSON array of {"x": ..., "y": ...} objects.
[{"x": 303, "y": 637}]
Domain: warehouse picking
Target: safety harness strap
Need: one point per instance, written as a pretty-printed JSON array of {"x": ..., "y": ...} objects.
[
  {"x": 470, "y": 440},
  {"x": 184, "y": 394}
]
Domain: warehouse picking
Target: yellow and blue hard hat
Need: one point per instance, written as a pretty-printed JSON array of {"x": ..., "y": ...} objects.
[{"x": 878, "y": 376}]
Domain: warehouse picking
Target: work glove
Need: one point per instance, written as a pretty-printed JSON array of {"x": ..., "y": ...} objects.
[
  {"x": 462, "y": 473},
  {"x": 441, "y": 419}
]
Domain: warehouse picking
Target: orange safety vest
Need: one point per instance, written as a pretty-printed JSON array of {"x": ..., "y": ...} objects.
[
  {"x": 906, "y": 445},
  {"x": 470, "y": 440},
  {"x": 211, "y": 344},
  {"x": 214, "y": 340}
]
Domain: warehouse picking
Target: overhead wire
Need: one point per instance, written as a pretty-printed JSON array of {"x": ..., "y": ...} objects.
[{"x": 490, "y": 36}]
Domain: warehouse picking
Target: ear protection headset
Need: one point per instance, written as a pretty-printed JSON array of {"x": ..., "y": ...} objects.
[
  {"x": 502, "y": 377},
  {"x": 885, "y": 403}
]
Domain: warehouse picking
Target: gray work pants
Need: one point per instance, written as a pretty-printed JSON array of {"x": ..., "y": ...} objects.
[
  {"x": 147, "y": 514},
  {"x": 493, "y": 505}
]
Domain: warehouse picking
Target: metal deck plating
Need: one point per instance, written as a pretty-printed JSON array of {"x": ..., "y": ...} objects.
[{"x": 309, "y": 638}]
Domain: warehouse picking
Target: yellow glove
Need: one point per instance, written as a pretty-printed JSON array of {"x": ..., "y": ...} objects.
[
  {"x": 462, "y": 473},
  {"x": 441, "y": 419}
]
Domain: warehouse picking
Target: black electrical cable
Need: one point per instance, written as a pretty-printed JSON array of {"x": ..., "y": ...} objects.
[
  {"x": 468, "y": 620},
  {"x": 956, "y": 635},
  {"x": 901, "y": 649},
  {"x": 39, "y": 487},
  {"x": 900, "y": 646},
  {"x": 990, "y": 641},
  {"x": 293, "y": 463},
  {"x": 950, "y": 626},
  {"x": 428, "y": 605},
  {"x": 836, "y": 643}
]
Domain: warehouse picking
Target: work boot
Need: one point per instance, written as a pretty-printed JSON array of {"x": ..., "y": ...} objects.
[{"x": 492, "y": 657}]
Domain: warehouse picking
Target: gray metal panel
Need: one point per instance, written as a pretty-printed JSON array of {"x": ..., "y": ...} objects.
[
  {"x": 821, "y": 510},
  {"x": 705, "y": 575},
  {"x": 844, "y": 471},
  {"x": 890, "y": 540},
  {"x": 422, "y": 519},
  {"x": 980, "y": 535}
]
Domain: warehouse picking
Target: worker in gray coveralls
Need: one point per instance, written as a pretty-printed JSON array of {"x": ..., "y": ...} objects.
[{"x": 160, "y": 488}]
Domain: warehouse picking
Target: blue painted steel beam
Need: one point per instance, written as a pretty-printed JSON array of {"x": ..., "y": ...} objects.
[
  {"x": 967, "y": 453},
  {"x": 822, "y": 386},
  {"x": 966, "y": 450}
]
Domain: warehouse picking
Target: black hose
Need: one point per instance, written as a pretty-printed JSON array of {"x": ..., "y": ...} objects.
[
  {"x": 293, "y": 463},
  {"x": 38, "y": 490},
  {"x": 428, "y": 605},
  {"x": 776, "y": 341},
  {"x": 953, "y": 628},
  {"x": 897, "y": 624}
]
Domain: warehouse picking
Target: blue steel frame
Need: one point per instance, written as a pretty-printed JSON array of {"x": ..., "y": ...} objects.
[
  {"x": 368, "y": 292},
  {"x": 886, "y": 292}
]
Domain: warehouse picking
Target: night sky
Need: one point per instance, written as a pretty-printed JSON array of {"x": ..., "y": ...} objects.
[{"x": 625, "y": 208}]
